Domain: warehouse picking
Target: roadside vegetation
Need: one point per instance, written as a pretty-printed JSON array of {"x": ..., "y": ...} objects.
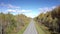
[
  {"x": 50, "y": 20},
  {"x": 12, "y": 24},
  {"x": 41, "y": 29}
]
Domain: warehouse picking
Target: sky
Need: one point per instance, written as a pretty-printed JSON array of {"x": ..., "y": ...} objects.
[{"x": 30, "y": 8}]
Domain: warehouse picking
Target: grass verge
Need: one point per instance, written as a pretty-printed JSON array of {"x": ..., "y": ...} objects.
[
  {"x": 23, "y": 29},
  {"x": 41, "y": 29}
]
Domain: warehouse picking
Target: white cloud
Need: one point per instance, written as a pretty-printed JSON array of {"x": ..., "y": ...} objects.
[
  {"x": 45, "y": 9},
  {"x": 8, "y": 5},
  {"x": 18, "y": 11},
  {"x": 26, "y": 10},
  {"x": 11, "y": 8}
]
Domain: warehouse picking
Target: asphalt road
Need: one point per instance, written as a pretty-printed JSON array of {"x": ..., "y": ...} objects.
[{"x": 31, "y": 29}]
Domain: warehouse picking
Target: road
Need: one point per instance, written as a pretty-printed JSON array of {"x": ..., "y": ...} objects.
[{"x": 31, "y": 29}]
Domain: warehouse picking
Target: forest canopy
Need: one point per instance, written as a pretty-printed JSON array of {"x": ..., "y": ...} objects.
[
  {"x": 50, "y": 19},
  {"x": 11, "y": 24}
]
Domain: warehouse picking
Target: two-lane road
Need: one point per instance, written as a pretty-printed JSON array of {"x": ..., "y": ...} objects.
[{"x": 31, "y": 29}]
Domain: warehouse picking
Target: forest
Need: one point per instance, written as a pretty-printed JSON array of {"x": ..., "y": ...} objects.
[
  {"x": 51, "y": 20},
  {"x": 11, "y": 24}
]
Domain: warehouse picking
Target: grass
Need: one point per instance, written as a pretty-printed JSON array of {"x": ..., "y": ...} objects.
[
  {"x": 23, "y": 29},
  {"x": 41, "y": 29}
]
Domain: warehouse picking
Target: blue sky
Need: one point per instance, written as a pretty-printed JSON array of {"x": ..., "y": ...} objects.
[{"x": 30, "y": 8}]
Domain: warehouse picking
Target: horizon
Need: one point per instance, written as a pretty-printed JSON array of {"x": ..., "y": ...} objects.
[{"x": 30, "y": 8}]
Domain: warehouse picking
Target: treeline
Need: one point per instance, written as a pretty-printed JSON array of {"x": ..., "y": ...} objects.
[
  {"x": 51, "y": 20},
  {"x": 11, "y": 24}
]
